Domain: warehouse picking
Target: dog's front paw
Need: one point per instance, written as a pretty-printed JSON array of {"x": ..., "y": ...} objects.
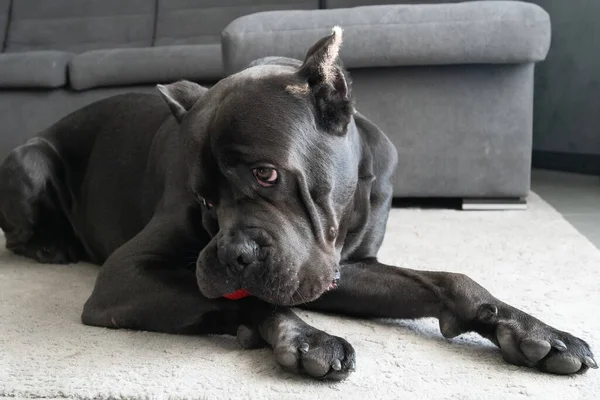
[
  {"x": 544, "y": 347},
  {"x": 527, "y": 341},
  {"x": 316, "y": 353}
]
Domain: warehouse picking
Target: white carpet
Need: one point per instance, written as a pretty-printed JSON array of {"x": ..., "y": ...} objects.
[{"x": 533, "y": 259}]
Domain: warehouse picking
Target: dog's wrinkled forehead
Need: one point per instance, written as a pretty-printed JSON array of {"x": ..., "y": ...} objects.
[{"x": 265, "y": 118}]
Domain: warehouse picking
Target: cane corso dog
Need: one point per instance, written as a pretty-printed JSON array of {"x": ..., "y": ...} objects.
[{"x": 217, "y": 210}]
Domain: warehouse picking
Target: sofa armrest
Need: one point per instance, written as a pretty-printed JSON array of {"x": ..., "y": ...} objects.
[{"x": 397, "y": 35}]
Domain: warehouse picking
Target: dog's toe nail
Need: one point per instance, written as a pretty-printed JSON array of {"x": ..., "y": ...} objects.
[
  {"x": 336, "y": 365},
  {"x": 303, "y": 348},
  {"x": 559, "y": 345},
  {"x": 589, "y": 361},
  {"x": 352, "y": 366}
]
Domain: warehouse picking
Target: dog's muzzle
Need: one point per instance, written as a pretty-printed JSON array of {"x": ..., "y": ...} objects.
[{"x": 242, "y": 293}]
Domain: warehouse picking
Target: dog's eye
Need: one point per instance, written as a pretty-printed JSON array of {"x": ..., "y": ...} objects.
[{"x": 265, "y": 176}]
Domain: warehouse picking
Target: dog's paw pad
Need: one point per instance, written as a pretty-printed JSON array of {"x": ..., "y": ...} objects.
[
  {"x": 535, "y": 349},
  {"x": 287, "y": 358},
  {"x": 561, "y": 364},
  {"x": 249, "y": 338}
]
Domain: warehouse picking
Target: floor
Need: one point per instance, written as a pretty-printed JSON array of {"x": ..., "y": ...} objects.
[{"x": 576, "y": 197}]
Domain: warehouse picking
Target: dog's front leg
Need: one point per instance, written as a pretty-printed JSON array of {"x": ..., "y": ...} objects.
[
  {"x": 296, "y": 345},
  {"x": 372, "y": 289}
]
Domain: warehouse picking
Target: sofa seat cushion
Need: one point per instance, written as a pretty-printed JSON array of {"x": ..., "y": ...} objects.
[
  {"x": 481, "y": 32},
  {"x": 34, "y": 69},
  {"x": 164, "y": 64}
]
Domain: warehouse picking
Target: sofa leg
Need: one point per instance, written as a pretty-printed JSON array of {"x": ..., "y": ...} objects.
[{"x": 475, "y": 204}]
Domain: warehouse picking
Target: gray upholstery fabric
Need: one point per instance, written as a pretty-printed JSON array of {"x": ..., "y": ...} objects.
[
  {"x": 357, "y": 3},
  {"x": 460, "y": 130},
  {"x": 201, "y": 21},
  {"x": 34, "y": 69},
  {"x": 379, "y": 36},
  {"x": 26, "y": 113},
  {"x": 146, "y": 65},
  {"x": 79, "y": 25},
  {"x": 4, "y": 7}
]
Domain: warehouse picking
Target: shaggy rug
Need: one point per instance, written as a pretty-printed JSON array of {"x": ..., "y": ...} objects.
[{"x": 533, "y": 259}]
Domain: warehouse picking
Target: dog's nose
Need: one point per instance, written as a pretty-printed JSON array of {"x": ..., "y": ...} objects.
[{"x": 242, "y": 251}]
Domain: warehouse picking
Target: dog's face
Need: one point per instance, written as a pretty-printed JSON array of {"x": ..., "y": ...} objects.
[{"x": 267, "y": 149}]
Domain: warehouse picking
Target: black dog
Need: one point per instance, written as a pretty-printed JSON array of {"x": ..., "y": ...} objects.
[{"x": 268, "y": 183}]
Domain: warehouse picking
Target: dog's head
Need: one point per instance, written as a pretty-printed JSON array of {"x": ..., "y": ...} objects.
[{"x": 268, "y": 151}]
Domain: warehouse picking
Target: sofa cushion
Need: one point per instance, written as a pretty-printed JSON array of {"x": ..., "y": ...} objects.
[
  {"x": 162, "y": 64},
  {"x": 34, "y": 69},
  {"x": 201, "y": 21},
  {"x": 4, "y": 7},
  {"x": 382, "y": 36},
  {"x": 79, "y": 25}
]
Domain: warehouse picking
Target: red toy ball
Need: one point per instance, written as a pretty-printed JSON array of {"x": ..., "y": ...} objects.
[{"x": 238, "y": 294}]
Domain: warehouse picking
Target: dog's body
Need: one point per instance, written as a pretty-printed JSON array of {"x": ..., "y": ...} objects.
[{"x": 268, "y": 182}]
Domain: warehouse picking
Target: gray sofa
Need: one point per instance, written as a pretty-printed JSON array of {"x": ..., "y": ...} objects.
[{"x": 451, "y": 84}]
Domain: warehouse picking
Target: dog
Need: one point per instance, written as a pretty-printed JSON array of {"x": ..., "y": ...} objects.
[{"x": 217, "y": 210}]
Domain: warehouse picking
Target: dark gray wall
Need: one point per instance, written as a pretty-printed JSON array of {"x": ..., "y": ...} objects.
[{"x": 567, "y": 90}]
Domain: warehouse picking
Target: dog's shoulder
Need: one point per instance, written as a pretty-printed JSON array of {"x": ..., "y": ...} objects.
[{"x": 376, "y": 145}]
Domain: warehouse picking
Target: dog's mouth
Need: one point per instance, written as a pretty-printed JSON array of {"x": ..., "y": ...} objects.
[
  {"x": 242, "y": 293},
  {"x": 333, "y": 285}
]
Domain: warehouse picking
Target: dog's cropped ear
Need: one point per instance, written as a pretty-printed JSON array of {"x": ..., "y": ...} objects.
[
  {"x": 181, "y": 96},
  {"x": 329, "y": 83}
]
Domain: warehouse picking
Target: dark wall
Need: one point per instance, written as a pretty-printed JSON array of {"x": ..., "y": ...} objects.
[{"x": 567, "y": 89}]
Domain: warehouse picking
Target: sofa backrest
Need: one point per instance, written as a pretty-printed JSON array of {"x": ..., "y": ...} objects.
[
  {"x": 79, "y": 25},
  {"x": 357, "y": 3},
  {"x": 201, "y": 21}
]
